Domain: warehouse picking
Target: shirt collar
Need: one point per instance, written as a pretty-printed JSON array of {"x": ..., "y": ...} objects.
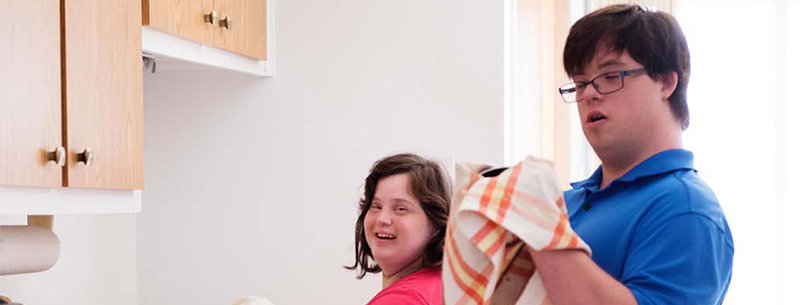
[{"x": 663, "y": 162}]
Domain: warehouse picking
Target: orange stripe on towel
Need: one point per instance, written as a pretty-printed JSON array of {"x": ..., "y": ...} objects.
[
  {"x": 483, "y": 232},
  {"x": 470, "y": 272},
  {"x": 499, "y": 242},
  {"x": 559, "y": 232},
  {"x": 467, "y": 290},
  {"x": 560, "y": 202},
  {"x": 507, "y": 192},
  {"x": 459, "y": 264},
  {"x": 490, "y": 234},
  {"x": 573, "y": 241},
  {"x": 486, "y": 197}
]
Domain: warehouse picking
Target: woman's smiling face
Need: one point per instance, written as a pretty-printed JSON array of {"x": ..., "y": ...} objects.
[{"x": 396, "y": 226}]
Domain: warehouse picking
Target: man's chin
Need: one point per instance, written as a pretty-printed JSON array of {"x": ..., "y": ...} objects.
[{"x": 601, "y": 147}]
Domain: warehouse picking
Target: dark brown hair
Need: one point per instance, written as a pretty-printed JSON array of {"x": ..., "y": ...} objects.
[
  {"x": 652, "y": 38},
  {"x": 429, "y": 184}
]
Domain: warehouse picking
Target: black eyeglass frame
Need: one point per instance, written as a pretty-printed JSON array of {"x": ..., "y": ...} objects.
[{"x": 622, "y": 74}]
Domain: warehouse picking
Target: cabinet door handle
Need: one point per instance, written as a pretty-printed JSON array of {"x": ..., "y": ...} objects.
[
  {"x": 87, "y": 157},
  {"x": 211, "y": 18},
  {"x": 59, "y": 156},
  {"x": 226, "y": 22}
]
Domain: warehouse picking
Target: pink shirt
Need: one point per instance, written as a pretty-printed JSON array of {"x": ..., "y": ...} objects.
[{"x": 421, "y": 287}]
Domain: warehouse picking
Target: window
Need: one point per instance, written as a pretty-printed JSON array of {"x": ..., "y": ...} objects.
[{"x": 743, "y": 135}]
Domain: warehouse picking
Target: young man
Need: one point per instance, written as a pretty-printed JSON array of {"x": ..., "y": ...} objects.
[{"x": 657, "y": 233}]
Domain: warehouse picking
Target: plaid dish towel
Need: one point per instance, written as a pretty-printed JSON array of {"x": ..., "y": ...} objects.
[{"x": 491, "y": 221}]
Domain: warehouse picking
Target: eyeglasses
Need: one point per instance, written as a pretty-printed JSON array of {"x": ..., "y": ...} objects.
[{"x": 604, "y": 84}]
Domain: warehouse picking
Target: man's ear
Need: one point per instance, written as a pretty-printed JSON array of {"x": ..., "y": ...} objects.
[{"x": 669, "y": 81}]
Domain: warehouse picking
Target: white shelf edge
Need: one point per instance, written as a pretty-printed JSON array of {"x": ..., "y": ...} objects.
[
  {"x": 164, "y": 46},
  {"x": 67, "y": 201}
]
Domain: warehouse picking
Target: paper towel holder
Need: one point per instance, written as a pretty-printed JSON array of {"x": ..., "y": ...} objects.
[{"x": 38, "y": 238}]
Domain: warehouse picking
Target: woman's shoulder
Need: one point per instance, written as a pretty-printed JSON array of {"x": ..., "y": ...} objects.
[
  {"x": 394, "y": 296},
  {"x": 423, "y": 275},
  {"x": 421, "y": 287}
]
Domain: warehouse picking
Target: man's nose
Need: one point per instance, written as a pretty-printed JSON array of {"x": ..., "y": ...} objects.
[{"x": 590, "y": 93}]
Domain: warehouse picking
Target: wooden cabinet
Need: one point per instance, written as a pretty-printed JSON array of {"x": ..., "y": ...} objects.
[
  {"x": 30, "y": 92},
  {"x": 103, "y": 77},
  {"x": 238, "y": 26},
  {"x": 74, "y": 76},
  {"x": 184, "y": 18}
]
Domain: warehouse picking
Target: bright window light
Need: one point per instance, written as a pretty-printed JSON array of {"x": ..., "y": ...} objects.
[{"x": 744, "y": 140}]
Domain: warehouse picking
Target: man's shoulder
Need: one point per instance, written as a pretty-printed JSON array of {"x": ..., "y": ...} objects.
[
  {"x": 686, "y": 191},
  {"x": 683, "y": 192}
]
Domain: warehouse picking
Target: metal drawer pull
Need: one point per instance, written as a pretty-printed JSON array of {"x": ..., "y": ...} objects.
[
  {"x": 226, "y": 22},
  {"x": 87, "y": 156},
  {"x": 59, "y": 156},
  {"x": 211, "y": 18}
]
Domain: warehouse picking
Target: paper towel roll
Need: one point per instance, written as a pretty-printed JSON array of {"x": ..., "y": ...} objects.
[{"x": 26, "y": 249}]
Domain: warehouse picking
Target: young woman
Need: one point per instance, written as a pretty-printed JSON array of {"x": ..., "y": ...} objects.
[{"x": 401, "y": 228}]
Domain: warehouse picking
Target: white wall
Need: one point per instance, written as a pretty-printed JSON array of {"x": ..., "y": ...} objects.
[
  {"x": 97, "y": 265},
  {"x": 251, "y": 185}
]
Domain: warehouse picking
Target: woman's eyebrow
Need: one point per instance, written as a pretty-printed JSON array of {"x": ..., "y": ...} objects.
[
  {"x": 400, "y": 200},
  {"x": 391, "y": 200}
]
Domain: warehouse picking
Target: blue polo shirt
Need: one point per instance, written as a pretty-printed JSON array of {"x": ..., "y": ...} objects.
[{"x": 658, "y": 229}]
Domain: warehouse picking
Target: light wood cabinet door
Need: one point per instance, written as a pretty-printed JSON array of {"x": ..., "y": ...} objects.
[
  {"x": 183, "y": 18},
  {"x": 30, "y": 92},
  {"x": 247, "y": 32},
  {"x": 243, "y": 32},
  {"x": 103, "y": 92}
]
